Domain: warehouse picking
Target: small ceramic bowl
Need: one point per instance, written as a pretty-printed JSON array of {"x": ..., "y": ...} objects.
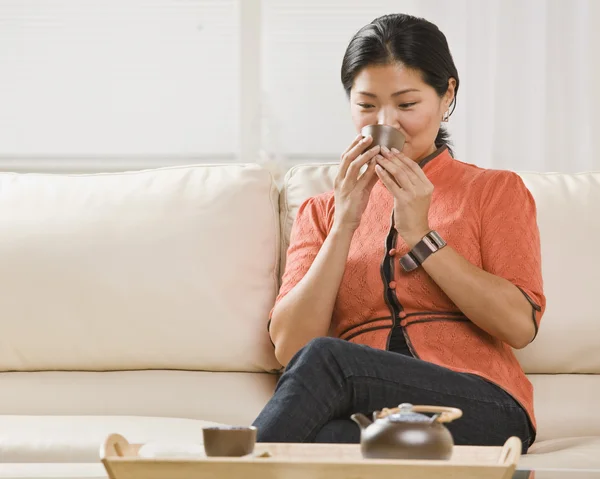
[
  {"x": 229, "y": 441},
  {"x": 384, "y": 135}
]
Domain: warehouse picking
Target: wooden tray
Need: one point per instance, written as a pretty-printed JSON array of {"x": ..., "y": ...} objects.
[{"x": 310, "y": 461}]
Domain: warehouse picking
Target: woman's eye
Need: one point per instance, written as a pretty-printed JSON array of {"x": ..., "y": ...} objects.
[
  {"x": 407, "y": 105},
  {"x": 365, "y": 105}
]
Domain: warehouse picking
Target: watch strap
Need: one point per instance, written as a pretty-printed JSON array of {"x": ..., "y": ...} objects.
[{"x": 430, "y": 243}]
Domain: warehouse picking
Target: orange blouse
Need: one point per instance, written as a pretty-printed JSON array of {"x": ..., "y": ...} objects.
[{"x": 487, "y": 216}]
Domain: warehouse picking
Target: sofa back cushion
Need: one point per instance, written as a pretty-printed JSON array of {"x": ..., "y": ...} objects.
[
  {"x": 174, "y": 268},
  {"x": 569, "y": 221}
]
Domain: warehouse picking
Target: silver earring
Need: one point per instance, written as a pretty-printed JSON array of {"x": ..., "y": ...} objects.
[{"x": 446, "y": 116}]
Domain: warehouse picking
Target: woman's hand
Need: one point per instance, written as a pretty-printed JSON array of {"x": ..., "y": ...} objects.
[
  {"x": 352, "y": 190},
  {"x": 412, "y": 191}
]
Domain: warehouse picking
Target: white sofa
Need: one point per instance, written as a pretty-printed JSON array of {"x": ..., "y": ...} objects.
[{"x": 137, "y": 303}]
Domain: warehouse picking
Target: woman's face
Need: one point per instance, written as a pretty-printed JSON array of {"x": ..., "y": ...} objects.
[{"x": 397, "y": 96}]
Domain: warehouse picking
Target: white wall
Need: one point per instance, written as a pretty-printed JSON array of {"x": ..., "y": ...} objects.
[
  {"x": 117, "y": 80},
  {"x": 529, "y": 97},
  {"x": 119, "y": 84}
]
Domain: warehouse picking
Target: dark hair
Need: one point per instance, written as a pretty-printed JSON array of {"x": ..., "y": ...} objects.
[{"x": 412, "y": 41}]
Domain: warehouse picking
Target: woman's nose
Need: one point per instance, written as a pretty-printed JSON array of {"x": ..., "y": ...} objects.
[{"x": 386, "y": 116}]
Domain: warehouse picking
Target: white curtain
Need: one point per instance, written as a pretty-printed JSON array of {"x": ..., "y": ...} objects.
[
  {"x": 530, "y": 78},
  {"x": 532, "y": 85},
  {"x": 101, "y": 85}
]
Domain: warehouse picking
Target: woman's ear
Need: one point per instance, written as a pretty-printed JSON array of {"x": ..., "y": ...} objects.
[{"x": 449, "y": 96}]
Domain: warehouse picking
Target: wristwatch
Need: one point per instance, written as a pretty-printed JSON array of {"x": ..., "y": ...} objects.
[{"x": 430, "y": 243}]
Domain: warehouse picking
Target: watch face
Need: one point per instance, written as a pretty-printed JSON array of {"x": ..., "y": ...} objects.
[
  {"x": 408, "y": 262},
  {"x": 430, "y": 243},
  {"x": 439, "y": 241}
]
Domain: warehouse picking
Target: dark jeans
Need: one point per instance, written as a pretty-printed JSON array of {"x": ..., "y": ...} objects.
[{"x": 330, "y": 379}]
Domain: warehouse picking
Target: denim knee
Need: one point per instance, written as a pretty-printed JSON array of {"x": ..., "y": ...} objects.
[
  {"x": 321, "y": 357},
  {"x": 318, "y": 350},
  {"x": 323, "y": 344}
]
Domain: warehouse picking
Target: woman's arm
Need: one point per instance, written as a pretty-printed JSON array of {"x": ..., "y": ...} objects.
[
  {"x": 493, "y": 303},
  {"x": 305, "y": 312},
  {"x": 316, "y": 258},
  {"x": 490, "y": 296}
]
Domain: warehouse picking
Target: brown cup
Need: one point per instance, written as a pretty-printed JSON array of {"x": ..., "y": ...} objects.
[
  {"x": 384, "y": 135},
  {"x": 229, "y": 441}
]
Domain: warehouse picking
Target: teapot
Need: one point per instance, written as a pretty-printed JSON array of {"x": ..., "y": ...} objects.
[{"x": 404, "y": 433}]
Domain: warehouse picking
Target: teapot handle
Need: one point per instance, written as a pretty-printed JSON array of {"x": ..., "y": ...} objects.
[{"x": 445, "y": 414}]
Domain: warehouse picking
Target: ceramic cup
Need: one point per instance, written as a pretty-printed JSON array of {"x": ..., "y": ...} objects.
[
  {"x": 229, "y": 441},
  {"x": 384, "y": 135}
]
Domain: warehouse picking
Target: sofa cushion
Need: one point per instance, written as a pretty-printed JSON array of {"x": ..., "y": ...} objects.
[
  {"x": 78, "y": 438},
  {"x": 174, "y": 268},
  {"x": 230, "y": 398},
  {"x": 564, "y": 453},
  {"x": 569, "y": 221},
  {"x": 300, "y": 183},
  {"x": 565, "y": 405}
]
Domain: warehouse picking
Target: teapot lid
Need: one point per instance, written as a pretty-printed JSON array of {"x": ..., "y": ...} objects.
[{"x": 404, "y": 413}]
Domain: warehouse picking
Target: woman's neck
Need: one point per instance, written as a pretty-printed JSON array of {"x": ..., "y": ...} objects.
[{"x": 427, "y": 153}]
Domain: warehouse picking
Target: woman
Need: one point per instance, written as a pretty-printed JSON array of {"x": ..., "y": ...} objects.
[{"x": 437, "y": 327}]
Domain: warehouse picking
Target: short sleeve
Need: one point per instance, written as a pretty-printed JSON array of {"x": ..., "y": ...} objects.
[
  {"x": 307, "y": 236},
  {"x": 510, "y": 238}
]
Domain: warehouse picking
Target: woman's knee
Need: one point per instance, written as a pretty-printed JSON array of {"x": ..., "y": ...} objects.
[
  {"x": 317, "y": 350},
  {"x": 324, "y": 344}
]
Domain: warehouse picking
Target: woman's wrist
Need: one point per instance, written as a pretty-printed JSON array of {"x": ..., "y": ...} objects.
[
  {"x": 342, "y": 230},
  {"x": 412, "y": 238}
]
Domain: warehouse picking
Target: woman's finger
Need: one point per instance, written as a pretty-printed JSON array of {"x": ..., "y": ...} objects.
[
  {"x": 398, "y": 172},
  {"x": 347, "y": 158},
  {"x": 368, "y": 178},
  {"x": 393, "y": 157},
  {"x": 344, "y": 156},
  {"x": 353, "y": 172},
  {"x": 388, "y": 180},
  {"x": 353, "y": 144},
  {"x": 412, "y": 165}
]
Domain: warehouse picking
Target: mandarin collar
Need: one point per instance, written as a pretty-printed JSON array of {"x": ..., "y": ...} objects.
[{"x": 434, "y": 156}]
